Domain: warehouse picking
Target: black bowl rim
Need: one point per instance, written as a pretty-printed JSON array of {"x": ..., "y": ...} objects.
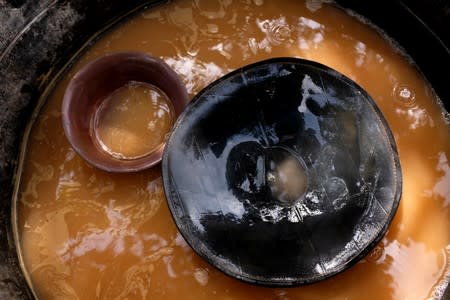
[{"x": 280, "y": 283}]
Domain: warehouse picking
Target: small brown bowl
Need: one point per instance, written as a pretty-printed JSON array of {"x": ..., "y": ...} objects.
[{"x": 99, "y": 79}]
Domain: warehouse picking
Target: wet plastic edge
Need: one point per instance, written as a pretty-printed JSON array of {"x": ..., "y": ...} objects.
[{"x": 363, "y": 253}]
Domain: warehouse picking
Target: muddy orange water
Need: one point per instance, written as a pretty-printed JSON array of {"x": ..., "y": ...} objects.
[
  {"x": 87, "y": 234},
  {"x": 133, "y": 121}
]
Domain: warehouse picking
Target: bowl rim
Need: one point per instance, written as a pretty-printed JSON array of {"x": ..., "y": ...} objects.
[
  {"x": 105, "y": 161},
  {"x": 280, "y": 282}
]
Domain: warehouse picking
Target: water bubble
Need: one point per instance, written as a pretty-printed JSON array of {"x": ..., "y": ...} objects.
[
  {"x": 266, "y": 25},
  {"x": 277, "y": 31},
  {"x": 280, "y": 33},
  {"x": 404, "y": 95}
]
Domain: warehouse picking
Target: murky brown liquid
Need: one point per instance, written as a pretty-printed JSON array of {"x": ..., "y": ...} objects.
[
  {"x": 133, "y": 121},
  {"x": 87, "y": 234}
]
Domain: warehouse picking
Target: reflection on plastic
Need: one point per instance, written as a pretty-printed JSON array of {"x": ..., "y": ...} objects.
[{"x": 244, "y": 135}]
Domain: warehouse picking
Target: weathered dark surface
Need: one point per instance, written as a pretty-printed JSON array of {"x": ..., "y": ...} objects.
[
  {"x": 29, "y": 54},
  {"x": 61, "y": 27},
  {"x": 16, "y": 93}
]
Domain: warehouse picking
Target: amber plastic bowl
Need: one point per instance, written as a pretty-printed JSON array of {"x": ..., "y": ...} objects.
[{"x": 98, "y": 79}]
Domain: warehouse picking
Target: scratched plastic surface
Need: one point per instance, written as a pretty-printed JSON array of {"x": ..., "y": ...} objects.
[{"x": 246, "y": 136}]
